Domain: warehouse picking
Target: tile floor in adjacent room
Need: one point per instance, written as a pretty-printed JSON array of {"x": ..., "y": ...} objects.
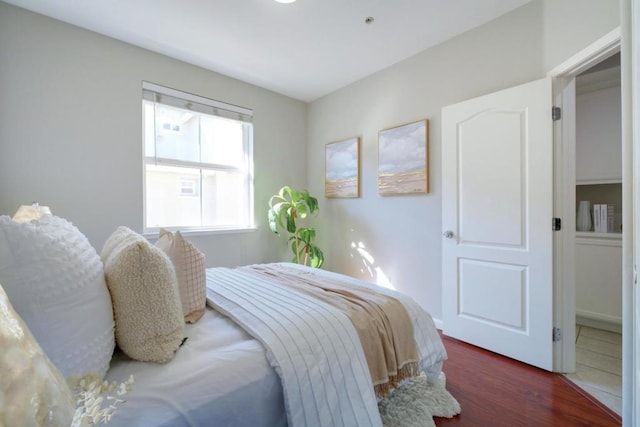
[{"x": 599, "y": 365}]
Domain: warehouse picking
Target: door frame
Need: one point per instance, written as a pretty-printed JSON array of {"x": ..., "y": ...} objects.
[
  {"x": 564, "y": 192},
  {"x": 630, "y": 22},
  {"x": 622, "y": 40}
]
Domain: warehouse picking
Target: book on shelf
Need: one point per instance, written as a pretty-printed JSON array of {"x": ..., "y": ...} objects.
[
  {"x": 603, "y": 218},
  {"x": 610, "y": 221}
]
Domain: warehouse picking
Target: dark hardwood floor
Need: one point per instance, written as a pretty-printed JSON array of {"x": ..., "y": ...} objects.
[{"x": 497, "y": 391}]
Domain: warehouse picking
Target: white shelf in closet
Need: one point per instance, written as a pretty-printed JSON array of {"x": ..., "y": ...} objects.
[
  {"x": 582, "y": 235},
  {"x": 598, "y": 181}
]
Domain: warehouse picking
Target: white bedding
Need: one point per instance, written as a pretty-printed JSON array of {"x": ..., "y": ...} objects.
[
  {"x": 219, "y": 377},
  {"x": 313, "y": 346}
]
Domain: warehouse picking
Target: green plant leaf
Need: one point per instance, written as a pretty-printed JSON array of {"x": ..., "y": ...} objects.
[
  {"x": 307, "y": 235},
  {"x": 313, "y": 204},
  {"x": 275, "y": 215},
  {"x": 280, "y": 206},
  {"x": 291, "y": 223},
  {"x": 284, "y": 191},
  {"x": 273, "y": 221},
  {"x": 316, "y": 257},
  {"x": 302, "y": 209},
  {"x": 275, "y": 198}
]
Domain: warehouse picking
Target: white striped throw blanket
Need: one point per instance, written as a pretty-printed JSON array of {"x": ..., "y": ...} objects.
[
  {"x": 382, "y": 323},
  {"x": 312, "y": 345}
]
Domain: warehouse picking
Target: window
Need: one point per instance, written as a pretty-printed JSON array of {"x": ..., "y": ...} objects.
[
  {"x": 188, "y": 187},
  {"x": 197, "y": 162}
]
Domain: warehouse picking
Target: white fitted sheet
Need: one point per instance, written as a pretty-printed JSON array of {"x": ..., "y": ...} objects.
[{"x": 219, "y": 377}]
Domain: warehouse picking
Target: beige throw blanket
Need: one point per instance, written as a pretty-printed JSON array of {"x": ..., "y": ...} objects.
[{"x": 382, "y": 323}]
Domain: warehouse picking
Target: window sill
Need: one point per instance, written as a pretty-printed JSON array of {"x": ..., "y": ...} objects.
[{"x": 153, "y": 233}]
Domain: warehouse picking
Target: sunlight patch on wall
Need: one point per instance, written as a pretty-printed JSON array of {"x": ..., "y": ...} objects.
[{"x": 369, "y": 267}]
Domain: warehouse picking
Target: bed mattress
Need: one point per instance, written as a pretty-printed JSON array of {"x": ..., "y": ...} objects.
[{"x": 219, "y": 377}]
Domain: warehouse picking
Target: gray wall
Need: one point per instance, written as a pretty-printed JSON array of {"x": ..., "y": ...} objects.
[
  {"x": 401, "y": 235},
  {"x": 71, "y": 130}
]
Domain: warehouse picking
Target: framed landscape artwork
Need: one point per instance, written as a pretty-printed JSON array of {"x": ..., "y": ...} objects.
[
  {"x": 342, "y": 168},
  {"x": 403, "y": 159}
]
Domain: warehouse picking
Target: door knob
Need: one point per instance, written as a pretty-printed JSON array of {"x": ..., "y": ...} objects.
[{"x": 448, "y": 234}]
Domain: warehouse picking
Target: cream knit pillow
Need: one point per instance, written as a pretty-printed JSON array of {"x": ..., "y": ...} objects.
[
  {"x": 190, "y": 270},
  {"x": 144, "y": 292},
  {"x": 32, "y": 390}
]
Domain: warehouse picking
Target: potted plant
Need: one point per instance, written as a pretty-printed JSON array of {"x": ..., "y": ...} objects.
[{"x": 285, "y": 210}]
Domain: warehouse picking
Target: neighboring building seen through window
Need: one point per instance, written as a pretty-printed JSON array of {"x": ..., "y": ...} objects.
[{"x": 197, "y": 162}]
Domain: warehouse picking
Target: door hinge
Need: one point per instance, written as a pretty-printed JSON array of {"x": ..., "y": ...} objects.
[
  {"x": 557, "y": 334},
  {"x": 557, "y": 224},
  {"x": 556, "y": 113}
]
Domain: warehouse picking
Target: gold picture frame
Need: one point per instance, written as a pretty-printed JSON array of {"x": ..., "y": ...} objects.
[
  {"x": 403, "y": 159},
  {"x": 342, "y": 169}
]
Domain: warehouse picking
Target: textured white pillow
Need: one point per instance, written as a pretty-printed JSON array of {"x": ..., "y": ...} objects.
[
  {"x": 55, "y": 281},
  {"x": 190, "y": 271},
  {"x": 144, "y": 292},
  {"x": 32, "y": 390}
]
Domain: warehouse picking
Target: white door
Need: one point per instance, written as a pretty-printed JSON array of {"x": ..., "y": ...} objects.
[{"x": 497, "y": 196}]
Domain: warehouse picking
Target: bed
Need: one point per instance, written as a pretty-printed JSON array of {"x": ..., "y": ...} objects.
[
  {"x": 266, "y": 351},
  {"x": 226, "y": 376}
]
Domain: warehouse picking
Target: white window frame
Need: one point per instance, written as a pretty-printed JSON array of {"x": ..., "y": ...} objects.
[{"x": 172, "y": 97}]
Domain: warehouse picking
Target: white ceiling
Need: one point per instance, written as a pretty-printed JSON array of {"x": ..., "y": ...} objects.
[{"x": 304, "y": 50}]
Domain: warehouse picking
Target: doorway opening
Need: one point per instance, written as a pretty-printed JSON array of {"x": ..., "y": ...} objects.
[
  {"x": 588, "y": 198},
  {"x": 598, "y": 251}
]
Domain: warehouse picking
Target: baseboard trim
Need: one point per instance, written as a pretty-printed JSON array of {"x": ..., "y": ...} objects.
[
  {"x": 438, "y": 323},
  {"x": 599, "y": 321}
]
